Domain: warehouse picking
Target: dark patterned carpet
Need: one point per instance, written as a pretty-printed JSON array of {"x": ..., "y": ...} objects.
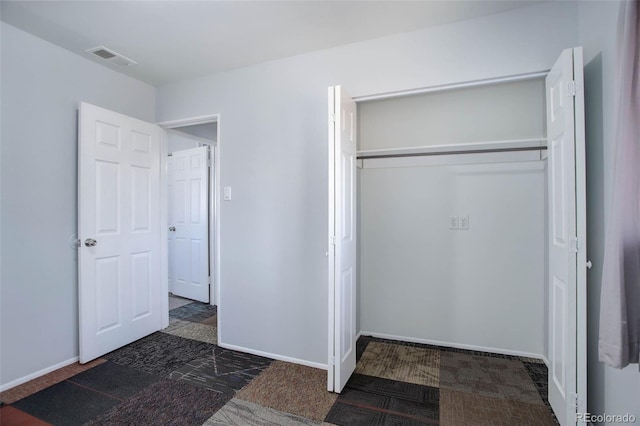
[{"x": 181, "y": 377}]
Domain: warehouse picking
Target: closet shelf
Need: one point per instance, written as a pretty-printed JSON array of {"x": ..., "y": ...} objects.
[{"x": 450, "y": 149}]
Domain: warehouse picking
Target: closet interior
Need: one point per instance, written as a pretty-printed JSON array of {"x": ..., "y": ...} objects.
[{"x": 452, "y": 218}]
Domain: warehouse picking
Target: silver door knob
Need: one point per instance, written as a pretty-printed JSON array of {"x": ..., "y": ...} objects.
[
  {"x": 172, "y": 228},
  {"x": 90, "y": 242}
]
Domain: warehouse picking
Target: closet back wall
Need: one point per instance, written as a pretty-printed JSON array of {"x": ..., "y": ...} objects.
[
  {"x": 419, "y": 280},
  {"x": 479, "y": 114}
]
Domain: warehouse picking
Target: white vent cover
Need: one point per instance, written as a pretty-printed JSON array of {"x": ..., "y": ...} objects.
[{"x": 111, "y": 56}]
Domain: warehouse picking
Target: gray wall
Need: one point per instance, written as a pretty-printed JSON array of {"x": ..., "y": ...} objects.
[
  {"x": 273, "y": 145},
  {"x": 207, "y": 131},
  {"x": 481, "y": 114},
  {"x": 610, "y": 390},
  {"x": 177, "y": 140},
  {"x": 42, "y": 86},
  {"x": 419, "y": 280},
  {"x": 482, "y": 287}
]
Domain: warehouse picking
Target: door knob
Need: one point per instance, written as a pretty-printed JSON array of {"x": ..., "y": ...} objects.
[
  {"x": 172, "y": 228},
  {"x": 90, "y": 242}
]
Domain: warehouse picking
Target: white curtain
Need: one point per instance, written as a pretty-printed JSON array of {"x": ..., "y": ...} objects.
[{"x": 619, "y": 341}]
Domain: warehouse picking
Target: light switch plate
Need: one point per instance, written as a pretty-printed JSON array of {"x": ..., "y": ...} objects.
[{"x": 227, "y": 193}]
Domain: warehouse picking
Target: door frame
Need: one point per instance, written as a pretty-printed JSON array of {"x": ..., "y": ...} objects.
[
  {"x": 331, "y": 247},
  {"x": 581, "y": 315},
  {"x": 581, "y": 231},
  {"x": 214, "y": 211}
]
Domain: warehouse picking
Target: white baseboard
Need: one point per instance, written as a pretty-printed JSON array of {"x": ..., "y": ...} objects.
[
  {"x": 274, "y": 356},
  {"x": 546, "y": 361},
  {"x": 454, "y": 345},
  {"x": 37, "y": 374}
]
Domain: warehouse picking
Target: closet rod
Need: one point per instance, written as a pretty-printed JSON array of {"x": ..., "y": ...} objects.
[
  {"x": 452, "y": 86},
  {"x": 471, "y": 151}
]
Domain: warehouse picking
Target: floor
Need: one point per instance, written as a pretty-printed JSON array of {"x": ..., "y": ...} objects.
[{"x": 181, "y": 377}]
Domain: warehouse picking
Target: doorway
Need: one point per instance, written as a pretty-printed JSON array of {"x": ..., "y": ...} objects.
[
  {"x": 194, "y": 143},
  {"x": 189, "y": 178}
]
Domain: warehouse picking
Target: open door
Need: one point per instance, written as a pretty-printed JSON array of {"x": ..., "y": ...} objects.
[
  {"x": 119, "y": 253},
  {"x": 342, "y": 238},
  {"x": 188, "y": 181},
  {"x": 567, "y": 236}
]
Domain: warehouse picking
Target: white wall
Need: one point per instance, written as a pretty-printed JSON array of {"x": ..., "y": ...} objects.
[
  {"x": 610, "y": 390},
  {"x": 274, "y": 156},
  {"x": 419, "y": 280},
  {"x": 42, "y": 86}
]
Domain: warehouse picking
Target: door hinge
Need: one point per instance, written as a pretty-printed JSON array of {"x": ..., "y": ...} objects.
[
  {"x": 574, "y": 245},
  {"x": 571, "y": 88},
  {"x": 332, "y": 239},
  {"x": 210, "y": 280},
  {"x": 332, "y": 360},
  {"x": 576, "y": 401},
  {"x": 332, "y": 117}
]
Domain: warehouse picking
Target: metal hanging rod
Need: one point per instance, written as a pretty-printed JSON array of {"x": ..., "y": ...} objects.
[{"x": 471, "y": 151}]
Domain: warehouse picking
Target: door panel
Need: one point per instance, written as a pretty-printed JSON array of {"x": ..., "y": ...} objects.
[
  {"x": 140, "y": 199},
  {"x": 189, "y": 224},
  {"x": 565, "y": 239},
  {"x": 141, "y": 275},
  {"x": 347, "y": 334},
  {"x": 119, "y": 208},
  {"x": 343, "y": 276},
  {"x": 107, "y": 198},
  {"x": 108, "y": 291}
]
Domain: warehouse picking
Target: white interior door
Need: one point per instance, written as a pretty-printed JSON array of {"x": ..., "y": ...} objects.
[
  {"x": 567, "y": 231},
  {"x": 189, "y": 223},
  {"x": 119, "y": 230},
  {"x": 342, "y": 228}
]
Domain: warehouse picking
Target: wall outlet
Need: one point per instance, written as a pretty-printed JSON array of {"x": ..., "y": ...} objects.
[
  {"x": 454, "y": 222},
  {"x": 464, "y": 222}
]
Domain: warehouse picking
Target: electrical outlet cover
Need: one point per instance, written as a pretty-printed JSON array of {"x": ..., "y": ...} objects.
[
  {"x": 464, "y": 222},
  {"x": 454, "y": 222}
]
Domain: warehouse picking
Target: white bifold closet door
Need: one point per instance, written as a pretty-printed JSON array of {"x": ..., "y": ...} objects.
[
  {"x": 119, "y": 256},
  {"x": 342, "y": 238},
  {"x": 567, "y": 234}
]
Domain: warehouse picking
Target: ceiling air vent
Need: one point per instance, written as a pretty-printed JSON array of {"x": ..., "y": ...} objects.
[{"x": 111, "y": 56}]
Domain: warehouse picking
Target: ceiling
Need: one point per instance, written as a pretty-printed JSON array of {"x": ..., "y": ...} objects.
[{"x": 177, "y": 40}]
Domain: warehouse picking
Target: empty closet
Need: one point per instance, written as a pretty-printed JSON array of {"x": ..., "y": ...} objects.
[{"x": 452, "y": 218}]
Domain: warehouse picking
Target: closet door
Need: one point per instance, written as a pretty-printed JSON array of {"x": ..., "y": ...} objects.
[
  {"x": 567, "y": 231},
  {"x": 342, "y": 238}
]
